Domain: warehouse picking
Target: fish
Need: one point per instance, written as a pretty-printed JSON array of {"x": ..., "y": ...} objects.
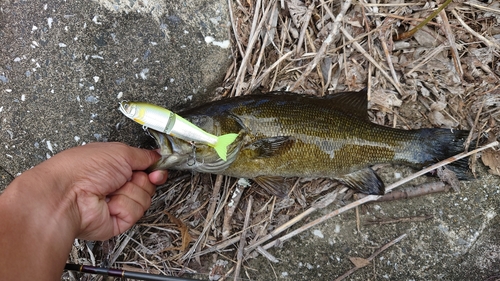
[
  {"x": 165, "y": 121},
  {"x": 283, "y": 135}
]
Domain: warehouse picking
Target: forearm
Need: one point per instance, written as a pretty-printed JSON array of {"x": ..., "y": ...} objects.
[{"x": 37, "y": 227}]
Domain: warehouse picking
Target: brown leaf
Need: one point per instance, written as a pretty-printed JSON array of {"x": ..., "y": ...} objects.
[
  {"x": 438, "y": 119},
  {"x": 186, "y": 238},
  {"x": 359, "y": 262},
  {"x": 438, "y": 106},
  {"x": 218, "y": 270},
  {"x": 491, "y": 158},
  {"x": 385, "y": 99},
  {"x": 449, "y": 177},
  {"x": 297, "y": 10}
]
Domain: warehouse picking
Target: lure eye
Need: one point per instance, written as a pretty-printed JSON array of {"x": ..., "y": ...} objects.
[{"x": 126, "y": 108}]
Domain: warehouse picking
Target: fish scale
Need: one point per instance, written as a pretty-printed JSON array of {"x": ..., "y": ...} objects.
[{"x": 328, "y": 143}]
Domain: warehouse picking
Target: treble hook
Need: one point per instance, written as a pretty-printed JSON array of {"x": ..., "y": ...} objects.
[{"x": 192, "y": 156}]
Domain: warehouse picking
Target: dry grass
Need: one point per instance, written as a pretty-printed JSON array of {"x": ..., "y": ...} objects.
[{"x": 443, "y": 76}]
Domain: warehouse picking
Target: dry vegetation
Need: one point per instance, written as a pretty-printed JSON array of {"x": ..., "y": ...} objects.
[{"x": 445, "y": 75}]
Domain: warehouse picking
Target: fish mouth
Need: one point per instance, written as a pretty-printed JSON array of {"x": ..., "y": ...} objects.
[
  {"x": 177, "y": 154},
  {"x": 172, "y": 155}
]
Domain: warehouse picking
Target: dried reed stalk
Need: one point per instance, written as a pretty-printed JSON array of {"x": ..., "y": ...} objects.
[
  {"x": 485, "y": 40},
  {"x": 326, "y": 43}
]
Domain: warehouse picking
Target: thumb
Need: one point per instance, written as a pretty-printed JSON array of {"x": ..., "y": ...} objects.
[{"x": 140, "y": 159}]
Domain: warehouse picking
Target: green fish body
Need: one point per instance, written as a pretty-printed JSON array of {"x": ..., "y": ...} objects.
[{"x": 284, "y": 135}]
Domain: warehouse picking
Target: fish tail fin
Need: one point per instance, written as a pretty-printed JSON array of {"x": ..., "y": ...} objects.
[
  {"x": 444, "y": 143},
  {"x": 222, "y": 143}
]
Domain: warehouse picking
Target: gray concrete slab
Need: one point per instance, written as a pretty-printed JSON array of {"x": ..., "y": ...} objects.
[{"x": 64, "y": 65}]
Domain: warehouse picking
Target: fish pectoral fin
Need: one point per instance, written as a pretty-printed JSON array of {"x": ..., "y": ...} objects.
[
  {"x": 272, "y": 184},
  {"x": 365, "y": 181},
  {"x": 270, "y": 146}
]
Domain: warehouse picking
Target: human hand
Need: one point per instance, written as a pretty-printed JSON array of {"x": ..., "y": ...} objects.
[
  {"x": 107, "y": 186},
  {"x": 92, "y": 192}
]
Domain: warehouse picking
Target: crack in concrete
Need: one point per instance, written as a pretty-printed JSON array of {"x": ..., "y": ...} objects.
[
  {"x": 6, "y": 177},
  {"x": 7, "y": 172}
]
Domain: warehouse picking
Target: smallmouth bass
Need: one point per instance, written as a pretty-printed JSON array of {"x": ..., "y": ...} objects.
[{"x": 284, "y": 135}]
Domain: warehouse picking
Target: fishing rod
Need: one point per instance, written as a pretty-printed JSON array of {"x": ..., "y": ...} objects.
[{"x": 114, "y": 272}]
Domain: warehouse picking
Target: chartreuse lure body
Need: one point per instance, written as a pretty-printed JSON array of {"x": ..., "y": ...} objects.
[{"x": 165, "y": 121}]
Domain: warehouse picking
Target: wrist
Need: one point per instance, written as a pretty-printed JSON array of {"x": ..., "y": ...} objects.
[
  {"x": 48, "y": 193},
  {"x": 38, "y": 225}
]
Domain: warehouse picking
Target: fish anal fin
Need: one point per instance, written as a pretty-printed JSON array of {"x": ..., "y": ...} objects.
[
  {"x": 270, "y": 146},
  {"x": 355, "y": 103},
  {"x": 365, "y": 181},
  {"x": 272, "y": 184}
]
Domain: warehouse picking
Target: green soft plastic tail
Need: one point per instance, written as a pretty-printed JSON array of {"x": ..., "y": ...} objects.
[{"x": 222, "y": 143}]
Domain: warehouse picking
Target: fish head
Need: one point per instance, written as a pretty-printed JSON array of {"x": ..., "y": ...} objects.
[
  {"x": 174, "y": 152},
  {"x": 178, "y": 154}
]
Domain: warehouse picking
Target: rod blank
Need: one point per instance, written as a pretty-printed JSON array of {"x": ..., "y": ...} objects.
[{"x": 122, "y": 273}]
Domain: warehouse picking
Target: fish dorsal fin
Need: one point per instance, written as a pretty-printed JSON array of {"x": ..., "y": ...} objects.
[
  {"x": 268, "y": 147},
  {"x": 355, "y": 103},
  {"x": 365, "y": 181}
]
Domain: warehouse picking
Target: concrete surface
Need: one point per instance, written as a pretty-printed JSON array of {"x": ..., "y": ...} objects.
[
  {"x": 64, "y": 65},
  {"x": 460, "y": 242}
]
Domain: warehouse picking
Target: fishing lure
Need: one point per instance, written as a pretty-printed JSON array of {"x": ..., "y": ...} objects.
[{"x": 165, "y": 121}]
